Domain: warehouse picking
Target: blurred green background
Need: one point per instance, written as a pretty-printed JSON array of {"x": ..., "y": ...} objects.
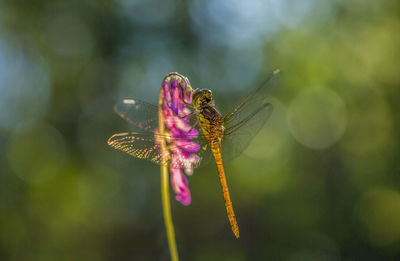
[{"x": 320, "y": 182}]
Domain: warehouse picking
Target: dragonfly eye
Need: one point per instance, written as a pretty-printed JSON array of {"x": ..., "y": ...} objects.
[
  {"x": 207, "y": 96},
  {"x": 201, "y": 97}
]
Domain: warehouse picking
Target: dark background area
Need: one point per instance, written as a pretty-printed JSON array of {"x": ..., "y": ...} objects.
[{"x": 319, "y": 182}]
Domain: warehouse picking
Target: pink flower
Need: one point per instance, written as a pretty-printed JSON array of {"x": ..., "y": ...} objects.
[{"x": 182, "y": 147}]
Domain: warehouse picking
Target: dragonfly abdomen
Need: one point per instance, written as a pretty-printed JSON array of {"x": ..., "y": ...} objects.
[
  {"x": 216, "y": 149},
  {"x": 212, "y": 125}
]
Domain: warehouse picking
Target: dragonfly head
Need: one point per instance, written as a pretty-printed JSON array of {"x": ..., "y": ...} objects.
[{"x": 202, "y": 97}]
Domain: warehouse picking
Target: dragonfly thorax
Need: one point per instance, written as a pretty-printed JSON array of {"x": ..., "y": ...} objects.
[
  {"x": 201, "y": 98},
  {"x": 211, "y": 121}
]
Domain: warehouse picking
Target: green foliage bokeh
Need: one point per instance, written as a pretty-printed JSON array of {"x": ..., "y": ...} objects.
[{"x": 319, "y": 182}]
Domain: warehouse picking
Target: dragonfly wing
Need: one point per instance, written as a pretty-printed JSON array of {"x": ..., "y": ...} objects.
[
  {"x": 248, "y": 107},
  {"x": 139, "y": 145},
  {"x": 247, "y": 118},
  {"x": 144, "y": 146},
  {"x": 140, "y": 114},
  {"x": 238, "y": 137}
]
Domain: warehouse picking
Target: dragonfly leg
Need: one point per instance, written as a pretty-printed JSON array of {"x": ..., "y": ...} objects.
[
  {"x": 190, "y": 114},
  {"x": 188, "y": 104}
]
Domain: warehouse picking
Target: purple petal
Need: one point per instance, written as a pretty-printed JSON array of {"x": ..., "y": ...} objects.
[
  {"x": 167, "y": 94},
  {"x": 184, "y": 159},
  {"x": 184, "y": 197},
  {"x": 179, "y": 134},
  {"x": 188, "y": 146},
  {"x": 175, "y": 95},
  {"x": 182, "y": 125},
  {"x": 169, "y": 119},
  {"x": 181, "y": 155},
  {"x": 180, "y": 185},
  {"x": 184, "y": 130},
  {"x": 193, "y": 133},
  {"x": 181, "y": 107}
]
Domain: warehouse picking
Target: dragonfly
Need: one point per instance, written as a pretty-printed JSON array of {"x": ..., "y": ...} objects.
[{"x": 224, "y": 137}]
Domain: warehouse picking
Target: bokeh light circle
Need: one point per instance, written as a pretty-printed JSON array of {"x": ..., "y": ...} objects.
[
  {"x": 379, "y": 212},
  {"x": 36, "y": 152},
  {"x": 317, "y": 117},
  {"x": 24, "y": 86},
  {"x": 272, "y": 143}
]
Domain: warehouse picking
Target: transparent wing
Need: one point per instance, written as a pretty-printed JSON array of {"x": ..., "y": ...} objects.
[
  {"x": 144, "y": 146},
  {"x": 140, "y": 114},
  {"x": 250, "y": 105},
  {"x": 239, "y": 138},
  {"x": 138, "y": 145},
  {"x": 247, "y": 118}
]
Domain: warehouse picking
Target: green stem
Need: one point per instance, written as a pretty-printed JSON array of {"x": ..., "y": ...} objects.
[{"x": 169, "y": 226}]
